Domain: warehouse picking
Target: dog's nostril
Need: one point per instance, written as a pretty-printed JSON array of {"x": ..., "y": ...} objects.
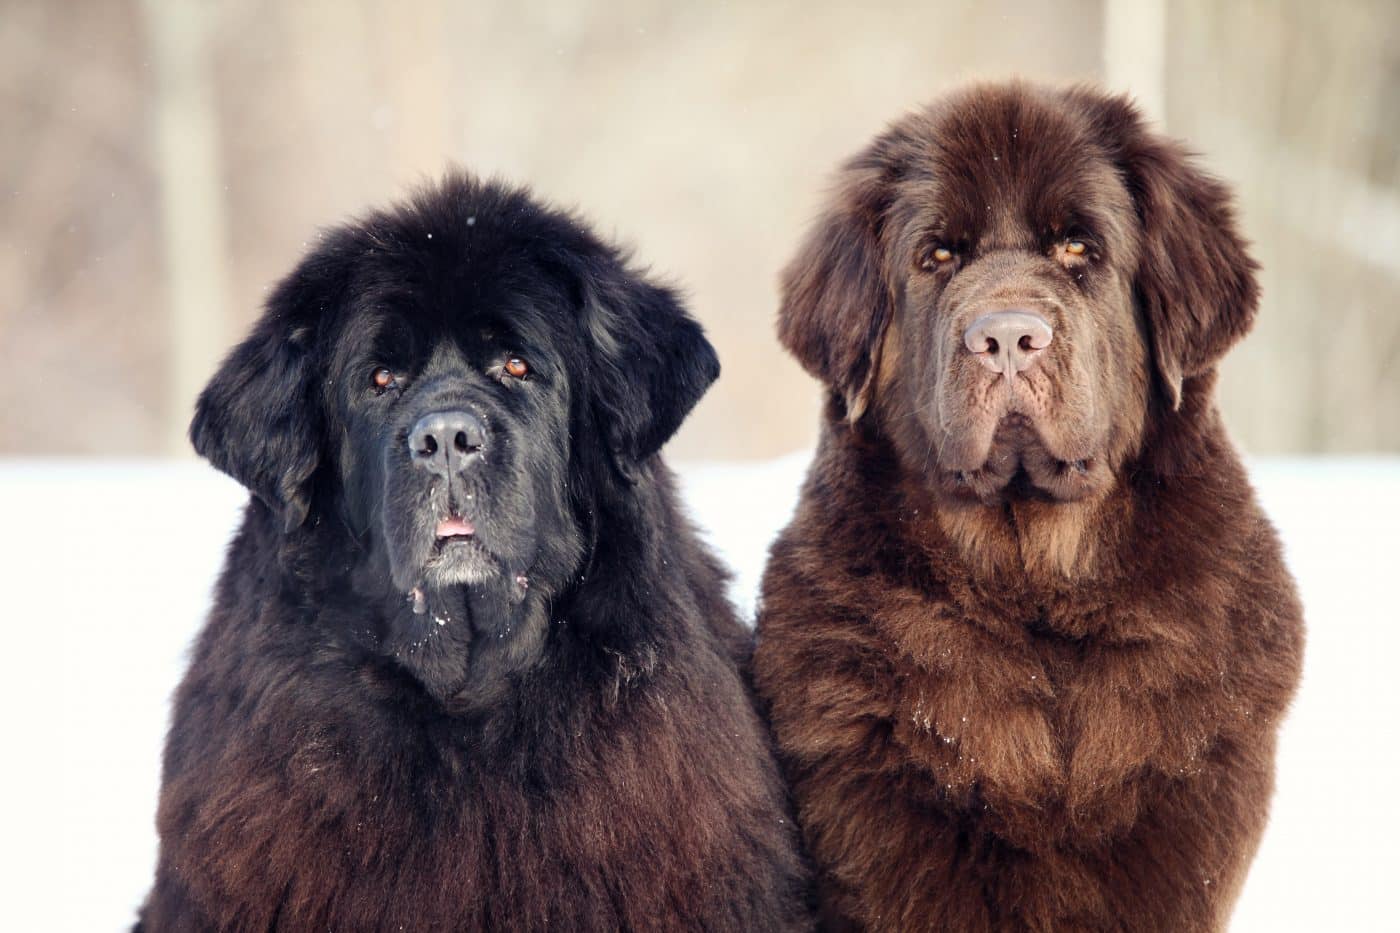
[
  {"x": 1008, "y": 341},
  {"x": 446, "y": 441}
]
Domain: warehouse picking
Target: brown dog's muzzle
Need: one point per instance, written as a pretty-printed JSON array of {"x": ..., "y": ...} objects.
[{"x": 1008, "y": 342}]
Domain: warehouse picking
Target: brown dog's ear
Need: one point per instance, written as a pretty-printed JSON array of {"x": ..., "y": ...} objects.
[
  {"x": 1195, "y": 278},
  {"x": 837, "y": 299}
]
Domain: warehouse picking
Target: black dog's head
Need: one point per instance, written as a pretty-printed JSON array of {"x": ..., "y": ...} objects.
[{"x": 451, "y": 386}]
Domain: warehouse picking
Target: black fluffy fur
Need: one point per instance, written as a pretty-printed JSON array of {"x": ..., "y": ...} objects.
[{"x": 563, "y": 740}]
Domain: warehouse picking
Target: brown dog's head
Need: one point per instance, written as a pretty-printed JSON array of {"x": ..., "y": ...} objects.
[{"x": 1007, "y": 282}]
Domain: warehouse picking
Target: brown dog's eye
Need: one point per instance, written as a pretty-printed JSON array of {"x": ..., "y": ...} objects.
[
  {"x": 1075, "y": 247},
  {"x": 517, "y": 367},
  {"x": 384, "y": 378},
  {"x": 937, "y": 257}
]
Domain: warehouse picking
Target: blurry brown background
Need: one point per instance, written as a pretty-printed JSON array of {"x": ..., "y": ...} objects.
[{"x": 163, "y": 162}]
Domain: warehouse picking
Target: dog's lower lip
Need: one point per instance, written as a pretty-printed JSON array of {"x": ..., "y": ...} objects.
[{"x": 455, "y": 526}]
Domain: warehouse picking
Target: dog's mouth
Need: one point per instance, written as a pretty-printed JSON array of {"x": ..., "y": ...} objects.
[
  {"x": 1021, "y": 466},
  {"x": 453, "y": 530},
  {"x": 458, "y": 555}
]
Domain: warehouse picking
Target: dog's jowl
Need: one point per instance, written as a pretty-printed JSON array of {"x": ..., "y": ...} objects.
[
  {"x": 469, "y": 667},
  {"x": 1027, "y": 641}
]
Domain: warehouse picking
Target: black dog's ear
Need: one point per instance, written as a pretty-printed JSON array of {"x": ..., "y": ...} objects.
[
  {"x": 837, "y": 297},
  {"x": 259, "y": 419},
  {"x": 651, "y": 361},
  {"x": 1195, "y": 279}
]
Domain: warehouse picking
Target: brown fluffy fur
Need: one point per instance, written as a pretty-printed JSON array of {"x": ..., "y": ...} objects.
[{"x": 1008, "y": 694}]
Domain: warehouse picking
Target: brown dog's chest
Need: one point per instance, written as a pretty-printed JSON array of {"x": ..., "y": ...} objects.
[{"x": 1038, "y": 735}]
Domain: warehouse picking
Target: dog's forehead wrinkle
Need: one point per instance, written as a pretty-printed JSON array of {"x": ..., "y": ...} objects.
[
  {"x": 447, "y": 357},
  {"x": 978, "y": 161},
  {"x": 1009, "y": 234}
]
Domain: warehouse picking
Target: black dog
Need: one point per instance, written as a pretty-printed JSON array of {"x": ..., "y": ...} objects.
[{"x": 468, "y": 667}]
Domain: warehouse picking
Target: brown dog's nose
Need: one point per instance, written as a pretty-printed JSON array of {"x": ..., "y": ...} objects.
[{"x": 1008, "y": 341}]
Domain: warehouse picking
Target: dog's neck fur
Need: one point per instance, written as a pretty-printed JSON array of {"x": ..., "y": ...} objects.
[
  {"x": 1030, "y": 546},
  {"x": 468, "y": 644},
  {"x": 1019, "y": 545},
  {"x": 1041, "y": 542}
]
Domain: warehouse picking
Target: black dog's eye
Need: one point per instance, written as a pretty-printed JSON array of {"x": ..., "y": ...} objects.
[
  {"x": 383, "y": 378},
  {"x": 517, "y": 367}
]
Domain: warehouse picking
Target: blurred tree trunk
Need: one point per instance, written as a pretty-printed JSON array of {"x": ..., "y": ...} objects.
[
  {"x": 1135, "y": 53},
  {"x": 1294, "y": 103},
  {"x": 192, "y": 203}
]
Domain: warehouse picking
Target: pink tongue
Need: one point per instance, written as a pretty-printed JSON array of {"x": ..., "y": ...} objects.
[{"x": 455, "y": 526}]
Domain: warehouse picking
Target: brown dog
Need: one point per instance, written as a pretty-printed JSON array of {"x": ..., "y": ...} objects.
[{"x": 1028, "y": 639}]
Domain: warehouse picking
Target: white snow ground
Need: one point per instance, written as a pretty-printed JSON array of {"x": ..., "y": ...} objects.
[{"x": 107, "y": 569}]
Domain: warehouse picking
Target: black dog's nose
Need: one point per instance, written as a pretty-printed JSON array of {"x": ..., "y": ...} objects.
[
  {"x": 444, "y": 442},
  {"x": 1008, "y": 341}
]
